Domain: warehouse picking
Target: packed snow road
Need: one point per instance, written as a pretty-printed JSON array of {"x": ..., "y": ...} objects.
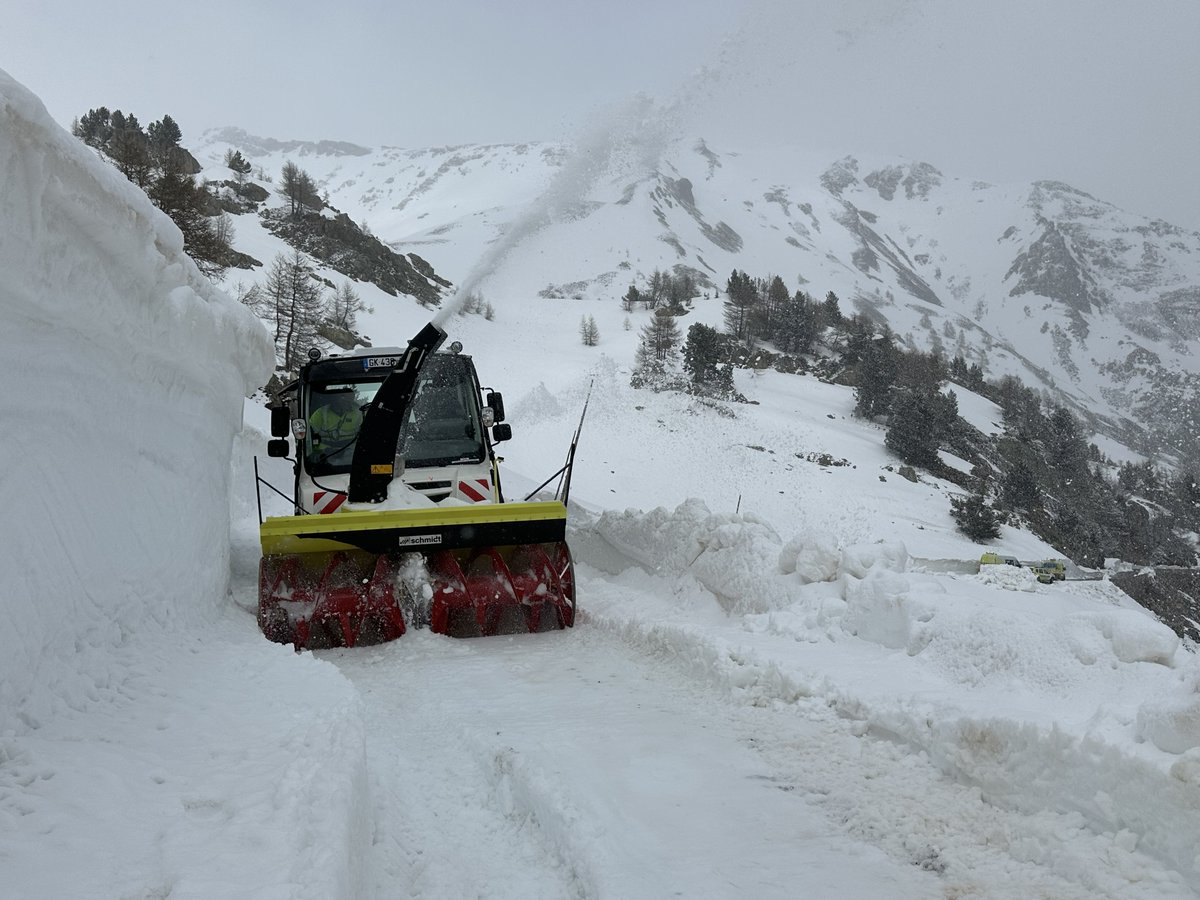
[
  {"x": 566, "y": 766},
  {"x": 599, "y": 763}
]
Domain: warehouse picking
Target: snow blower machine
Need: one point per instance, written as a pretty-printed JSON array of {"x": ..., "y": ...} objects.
[{"x": 400, "y": 520}]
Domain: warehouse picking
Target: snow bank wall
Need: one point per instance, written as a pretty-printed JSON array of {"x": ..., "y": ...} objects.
[{"x": 123, "y": 372}]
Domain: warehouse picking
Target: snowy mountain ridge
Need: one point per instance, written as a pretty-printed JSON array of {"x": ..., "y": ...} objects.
[{"x": 1097, "y": 307}]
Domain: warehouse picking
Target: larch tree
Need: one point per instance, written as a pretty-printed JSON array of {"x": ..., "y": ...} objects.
[{"x": 296, "y": 307}]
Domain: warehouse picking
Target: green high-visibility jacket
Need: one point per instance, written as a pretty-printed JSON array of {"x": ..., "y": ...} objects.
[{"x": 331, "y": 428}]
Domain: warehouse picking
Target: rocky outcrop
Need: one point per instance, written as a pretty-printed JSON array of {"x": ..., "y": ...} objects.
[
  {"x": 340, "y": 244},
  {"x": 1170, "y": 592}
]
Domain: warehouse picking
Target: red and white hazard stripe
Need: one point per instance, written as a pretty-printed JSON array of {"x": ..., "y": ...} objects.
[
  {"x": 476, "y": 490},
  {"x": 327, "y": 501}
]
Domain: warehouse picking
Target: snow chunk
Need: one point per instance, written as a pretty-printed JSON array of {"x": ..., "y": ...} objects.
[
  {"x": 660, "y": 540},
  {"x": 1126, "y": 634},
  {"x": 736, "y": 564},
  {"x": 860, "y": 559},
  {"x": 1187, "y": 767},
  {"x": 810, "y": 559},
  {"x": 1009, "y": 578},
  {"x": 1172, "y": 724},
  {"x": 880, "y": 608},
  {"x": 736, "y": 557}
]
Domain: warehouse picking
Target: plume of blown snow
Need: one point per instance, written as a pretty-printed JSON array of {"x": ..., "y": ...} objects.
[{"x": 628, "y": 138}]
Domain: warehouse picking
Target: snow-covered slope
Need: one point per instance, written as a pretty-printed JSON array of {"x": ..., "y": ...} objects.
[
  {"x": 1099, "y": 307},
  {"x": 786, "y": 676}
]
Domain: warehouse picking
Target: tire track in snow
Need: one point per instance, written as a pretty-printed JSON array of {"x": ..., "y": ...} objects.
[
  {"x": 569, "y": 765},
  {"x": 443, "y": 825}
]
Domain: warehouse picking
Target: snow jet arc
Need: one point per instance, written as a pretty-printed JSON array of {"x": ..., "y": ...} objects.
[{"x": 630, "y": 137}]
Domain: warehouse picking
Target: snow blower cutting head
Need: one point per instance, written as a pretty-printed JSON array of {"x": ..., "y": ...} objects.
[{"x": 395, "y": 457}]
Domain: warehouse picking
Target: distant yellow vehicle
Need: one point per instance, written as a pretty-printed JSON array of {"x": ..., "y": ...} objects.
[
  {"x": 1044, "y": 575},
  {"x": 995, "y": 559},
  {"x": 1056, "y": 567}
]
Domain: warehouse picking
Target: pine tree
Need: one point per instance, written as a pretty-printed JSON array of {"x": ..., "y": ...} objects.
[
  {"x": 701, "y": 353},
  {"x": 975, "y": 378},
  {"x": 632, "y": 297},
  {"x": 164, "y": 133},
  {"x": 238, "y": 164},
  {"x": 770, "y": 295},
  {"x": 958, "y": 370},
  {"x": 662, "y": 335},
  {"x": 659, "y": 337},
  {"x": 588, "y": 332},
  {"x": 94, "y": 128},
  {"x": 1019, "y": 488},
  {"x": 1067, "y": 449},
  {"x": 831, "y": 313},
  {"x": 974, "y": 517},
  {"x": 177, "y": 194},
  {"x": 915, "y": 426},
  {"x": 878, "y": 370},
  {"x": 795, "y": 324},
  {"x": 741, "y": 297},
  {"x": 860, "y": 333},
  {"x": 130, "y": 150},
  {"x": 704, "y": 360}
]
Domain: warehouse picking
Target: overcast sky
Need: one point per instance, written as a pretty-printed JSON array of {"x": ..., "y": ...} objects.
[{"x": 1102, "y": 94}]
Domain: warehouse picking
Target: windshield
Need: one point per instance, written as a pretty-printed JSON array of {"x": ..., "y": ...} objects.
[{"x": 441, "y": 426}]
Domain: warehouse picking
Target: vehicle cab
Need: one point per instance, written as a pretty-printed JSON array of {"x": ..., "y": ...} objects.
[{"x": 445, "y": 451}]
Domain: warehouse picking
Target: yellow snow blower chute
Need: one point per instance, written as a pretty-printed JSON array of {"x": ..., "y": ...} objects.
[{"x": 400, "y": 519}]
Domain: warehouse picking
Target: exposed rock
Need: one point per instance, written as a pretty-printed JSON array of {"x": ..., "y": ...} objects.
[
  {"x": 840, "y": 175},
  {"x": 1170, "y": 592},
  {"x": 340, "y": 244},
  {"x": 1049, "y": 268}
]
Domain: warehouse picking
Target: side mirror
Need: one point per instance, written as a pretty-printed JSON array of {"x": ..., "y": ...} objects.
[
  {"x": 496, "y": 403},
  {"x": 281, "y": 421},
  {"x": 278, "y": 449},
  {"x": 501, "y": 433}
]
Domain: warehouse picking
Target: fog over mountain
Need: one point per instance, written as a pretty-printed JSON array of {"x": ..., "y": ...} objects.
[
  {"x": 1090, "y": 92},
  {"x": 1098, "y": 307}
]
